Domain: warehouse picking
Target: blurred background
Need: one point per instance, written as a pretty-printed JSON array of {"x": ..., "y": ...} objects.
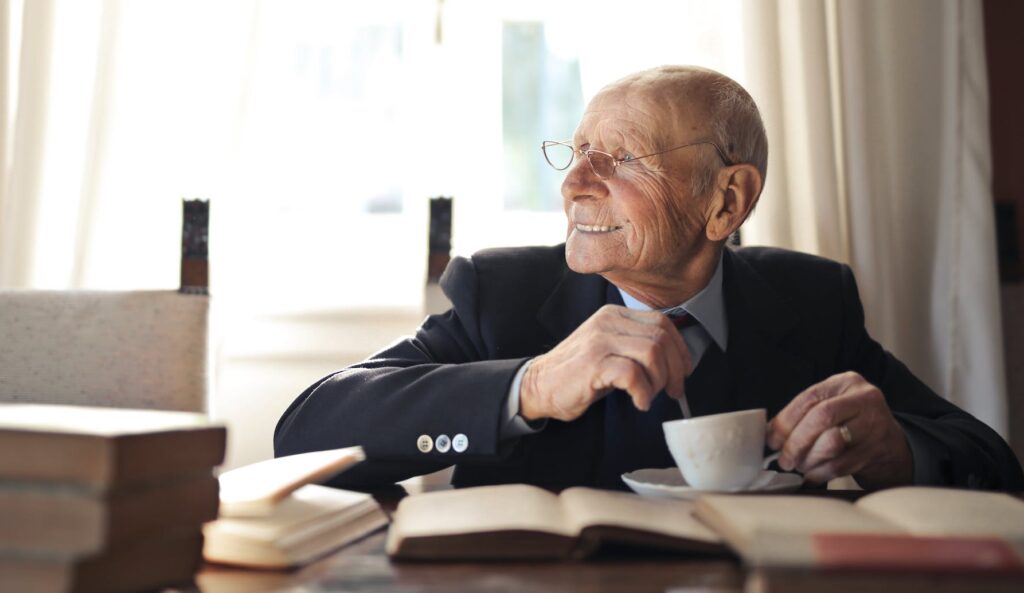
[{"x": 320, "y": 129}]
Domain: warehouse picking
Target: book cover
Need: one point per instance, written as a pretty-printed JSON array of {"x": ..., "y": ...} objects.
[
  {"x": 148, "y": 564},
  {"x": 63, "y": 521},
  {"x": 104, "y": 448},
  {"x": 255, "y": 490}
]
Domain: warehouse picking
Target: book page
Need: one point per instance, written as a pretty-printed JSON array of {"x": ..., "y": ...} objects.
[
  {"x": 946, "y": 511},
  {"x": 95, "y": 421},
  {"x": 254, "y": 490},
  {"x": 739, "y": 518},
  {"x": 510, "y": 507},
  {"x": 584, "y": 507},
  {"x": 309, "y": 506}
]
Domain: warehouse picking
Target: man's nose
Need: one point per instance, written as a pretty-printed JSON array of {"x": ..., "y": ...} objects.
[{"x": 582, "y": 182}]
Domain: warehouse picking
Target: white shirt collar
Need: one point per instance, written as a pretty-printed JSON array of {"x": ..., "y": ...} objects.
[{"x": 707, "y": 307}]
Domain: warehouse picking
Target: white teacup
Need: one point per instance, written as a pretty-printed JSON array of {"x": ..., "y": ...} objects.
[{"x": 720, "y": 451}]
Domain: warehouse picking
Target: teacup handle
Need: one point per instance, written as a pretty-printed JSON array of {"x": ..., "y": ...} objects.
[{"x": 768, "y": 460}]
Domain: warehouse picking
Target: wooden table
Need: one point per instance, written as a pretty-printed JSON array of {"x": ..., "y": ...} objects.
[{"x": 363, "y": 567}]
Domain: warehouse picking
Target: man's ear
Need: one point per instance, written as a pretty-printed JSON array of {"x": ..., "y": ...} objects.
[{"x": 737, "y": 189}]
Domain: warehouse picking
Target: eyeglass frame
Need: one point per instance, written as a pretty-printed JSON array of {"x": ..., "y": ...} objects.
[{"x": 616, "y": 162}]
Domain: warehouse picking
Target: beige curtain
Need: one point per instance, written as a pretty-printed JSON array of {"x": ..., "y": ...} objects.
[
  {"x": 51, "y": 156},
  {"x": 877, "y": 117},
  {"x": 23, "y": 91}
]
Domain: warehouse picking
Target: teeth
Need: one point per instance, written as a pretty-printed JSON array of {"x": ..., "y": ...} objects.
[{"x": 593, "y": 228}]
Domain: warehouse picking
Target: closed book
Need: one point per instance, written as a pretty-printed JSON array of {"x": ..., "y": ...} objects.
[
  {"x": 307, "y": 524},
  {"x": 911, "y": 529},
  {"x": 103, "y": 448},
  {"x": 522, "y": 522},
  {"x": 254, "y": 490},
  {"x": 152, "y": 563},
  {"x": 47, "y": 518}
]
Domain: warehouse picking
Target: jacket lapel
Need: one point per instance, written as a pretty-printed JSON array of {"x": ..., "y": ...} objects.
[
  {"x": 573, "y": 301},
  {"x": 766, "y": 374}
]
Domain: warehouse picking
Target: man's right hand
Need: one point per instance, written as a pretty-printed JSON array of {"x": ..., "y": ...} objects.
[{"x": 639, "y": 352}]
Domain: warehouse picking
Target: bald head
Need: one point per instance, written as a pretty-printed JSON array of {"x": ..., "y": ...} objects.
[{"x": 709, "y": 105}]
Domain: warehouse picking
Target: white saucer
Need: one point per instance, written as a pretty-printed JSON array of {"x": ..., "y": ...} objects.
[{"x": 669, "y": 483}]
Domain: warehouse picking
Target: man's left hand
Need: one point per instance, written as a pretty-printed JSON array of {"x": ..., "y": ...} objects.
[{"x": 842, "y": 426}]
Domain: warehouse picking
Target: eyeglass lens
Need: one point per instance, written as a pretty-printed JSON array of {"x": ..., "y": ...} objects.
[
  {"x": 558, "y": 156},
  {"x": 603, "y": 164}
]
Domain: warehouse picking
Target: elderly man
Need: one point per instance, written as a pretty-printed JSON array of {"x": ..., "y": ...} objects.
[{"x": 557, "y": 365}]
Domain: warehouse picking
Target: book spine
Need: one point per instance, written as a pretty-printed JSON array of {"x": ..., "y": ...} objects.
[
  {"x": 915, "y": 553},
  {"x": 85, "y": 461},
  {"x": 149, "y": 456},
  {"x": 885, "y": 552}
]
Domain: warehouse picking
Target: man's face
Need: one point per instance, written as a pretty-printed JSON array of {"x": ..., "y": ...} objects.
[{"x": 642, "y": 224}]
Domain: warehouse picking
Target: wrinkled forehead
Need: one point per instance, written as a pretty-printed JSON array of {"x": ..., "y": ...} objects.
[{"x": 641, "y": 116}]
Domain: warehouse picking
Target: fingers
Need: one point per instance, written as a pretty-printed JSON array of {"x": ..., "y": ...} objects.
[
  {"x": 828, "y": 446},
  {"x": 783, "y": 424},
  {"x": 660, "y": 348},
  {"x": 640, "y": 352},
  {"x": 809, "y": 433},
  {"x": 617, "y": 372},
  {"x": 825, "y": 417},
  {"x": 850, "y": 462},
  {"x": 663, "y": 363},
  {"x": 832, "y": 457}
]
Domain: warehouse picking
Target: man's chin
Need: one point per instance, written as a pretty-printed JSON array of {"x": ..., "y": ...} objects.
[{"x": 585, "y": 263}]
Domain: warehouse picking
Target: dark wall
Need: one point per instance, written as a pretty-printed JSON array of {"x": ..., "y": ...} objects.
[{"x": 1004, "y": 44}]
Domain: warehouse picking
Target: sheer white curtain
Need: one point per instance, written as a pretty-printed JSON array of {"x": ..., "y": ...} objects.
[
  {"x": 877, "y": 116},
  {"x": 23, "y": 109},
  {"x": 112, "y": 112}
]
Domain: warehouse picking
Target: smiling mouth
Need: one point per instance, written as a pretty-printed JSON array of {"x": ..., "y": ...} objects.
[{"x": 593, "y": 228}]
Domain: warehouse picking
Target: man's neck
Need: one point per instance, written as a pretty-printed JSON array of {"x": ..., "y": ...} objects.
[{"x": 663, "y": 290}]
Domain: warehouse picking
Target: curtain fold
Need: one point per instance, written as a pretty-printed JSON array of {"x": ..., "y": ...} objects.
[
  {"x": 877, "y": 115},
  {"x": 95, "y": 141},
  {"x": 21, "y": 171}
]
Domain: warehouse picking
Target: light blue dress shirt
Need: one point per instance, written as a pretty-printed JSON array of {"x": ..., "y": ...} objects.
[{"x": 707, "y": 307}]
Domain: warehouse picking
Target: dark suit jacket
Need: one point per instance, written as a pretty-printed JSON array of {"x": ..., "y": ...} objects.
[{"x": 794, "y": 320}]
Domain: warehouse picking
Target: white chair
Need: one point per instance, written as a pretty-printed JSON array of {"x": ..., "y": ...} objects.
[{"x": 139, "y": 349}]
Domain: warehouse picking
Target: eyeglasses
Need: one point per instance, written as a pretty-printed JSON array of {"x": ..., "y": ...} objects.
[{"x": 561, "y": 154}]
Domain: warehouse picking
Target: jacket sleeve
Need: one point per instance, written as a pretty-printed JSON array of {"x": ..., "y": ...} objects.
[
  {"x": 438, "y": 382},
  {"x": 950, "y": 447}
]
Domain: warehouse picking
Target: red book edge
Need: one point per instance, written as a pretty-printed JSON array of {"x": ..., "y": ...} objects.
[{"x": 907, "y": 552}]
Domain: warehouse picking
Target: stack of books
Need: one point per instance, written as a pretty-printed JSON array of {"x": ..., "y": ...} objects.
[
  {"x": 272, "y": 515},
  {"x": 103, "y": 499}
]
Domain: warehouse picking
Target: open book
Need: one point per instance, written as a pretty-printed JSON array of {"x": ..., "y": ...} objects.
[
  {"x": 309, "y": 523},
  {"x": 254, "y": 490},
  {"x": 271, "y": 516},
  {"x": 910, "y": 528},
  {"x": 517, "y": 521}
]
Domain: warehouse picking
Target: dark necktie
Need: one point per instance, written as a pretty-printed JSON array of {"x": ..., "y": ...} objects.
[{"x": 681, "y": 319}]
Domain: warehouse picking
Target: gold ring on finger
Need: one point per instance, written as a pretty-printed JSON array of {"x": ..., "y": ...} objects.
[{"x": 844, "y": 431}]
